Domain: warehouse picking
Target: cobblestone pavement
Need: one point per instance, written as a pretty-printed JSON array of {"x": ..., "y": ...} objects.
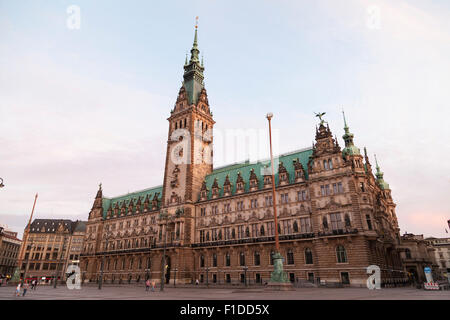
[{"x": 128, "y": 292}]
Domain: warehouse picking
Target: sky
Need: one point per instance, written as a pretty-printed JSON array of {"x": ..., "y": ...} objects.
[{"x": 88, "y": 102}]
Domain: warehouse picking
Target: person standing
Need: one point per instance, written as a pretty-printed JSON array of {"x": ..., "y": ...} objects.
[
  {"x": 153, "y": 285},
  {"x": 25, "y": 288},
  {"x": 147, "y": 284},
  {"x": 18, "y": 290}
]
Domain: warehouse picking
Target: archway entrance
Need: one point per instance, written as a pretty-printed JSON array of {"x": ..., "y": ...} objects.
[{"x": 167, "y": 269}]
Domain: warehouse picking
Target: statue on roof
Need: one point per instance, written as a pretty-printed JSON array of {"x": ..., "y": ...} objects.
[{"x": 320, "y": 115}]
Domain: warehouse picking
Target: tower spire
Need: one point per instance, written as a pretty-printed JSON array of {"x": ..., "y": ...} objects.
[
  {"x": 193, "y": 71},
  {"x": 383, "y": 184},
  {"x": 350, "y": 148}
]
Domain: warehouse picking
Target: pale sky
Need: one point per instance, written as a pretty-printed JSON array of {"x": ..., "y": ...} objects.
[{"x": 84, "y": 106}]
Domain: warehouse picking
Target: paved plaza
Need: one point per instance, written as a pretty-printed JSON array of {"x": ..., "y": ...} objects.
[{"x": 127, "y": 292}]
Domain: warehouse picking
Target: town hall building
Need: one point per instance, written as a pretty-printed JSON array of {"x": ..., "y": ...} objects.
[{"x": 335, "y": 217}]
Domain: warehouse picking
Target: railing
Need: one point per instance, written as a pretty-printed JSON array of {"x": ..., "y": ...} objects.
[
  {"x": 337, "y": 232},
  {"x": 253, "y": 240}
]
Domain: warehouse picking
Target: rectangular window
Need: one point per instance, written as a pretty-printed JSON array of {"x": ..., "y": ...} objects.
[
  {"x": 241, "y": 232},
  {"x": 254, "y": 230},
  {"x": 305, "y": 225},
  {"x": 286, "y": 227},
  {"x": 322, "y": 190},
  {"x": 270, "y": 228},
  {"x": 340, "y": 188},
  {"x": 269, "y": 201},
  {"x": 336, "y": 222}
]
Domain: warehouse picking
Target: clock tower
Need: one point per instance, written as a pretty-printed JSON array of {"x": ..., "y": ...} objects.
[{"x": 189, "y": 147}]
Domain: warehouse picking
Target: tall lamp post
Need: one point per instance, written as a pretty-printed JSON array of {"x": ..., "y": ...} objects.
[
  {"x": 245, "y": 275},
  {"x": 100, "y": 282},
  {"x": 175, "y": 277},
  {"x": 278, "y": 277},
  {"x": 163, "y": 215},
  {"x": 59, "y": 262}
]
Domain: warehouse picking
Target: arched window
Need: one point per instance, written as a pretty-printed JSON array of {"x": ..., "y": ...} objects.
[
  {"x": 271, "y": 256},
  {"x": 214, "y": 260},
  {"x": 325, "y": 222},
  {"x": 408, "y": 254},
  {"x": 227, "y": 259},
  {"x": 247, "y": 232},
  {"x": 308, "y": 256},
  {"x": 330, "y": 164},
  {"x": 202, "y": 261},
  {"x": 290, "y": 256},
  {"x": 295, "y": 226},
  {"x": 149, "y": 263},
  {"x": 261, "y": 231},
  {"x": 257, "y": 258},
  {"x": 242, "y": 259},
  {"x": 341, "y": 254},
  {"x": 185, "y": 122},
  {"x": 325, "y": 164},
  {"x": 347, "y": 220}
]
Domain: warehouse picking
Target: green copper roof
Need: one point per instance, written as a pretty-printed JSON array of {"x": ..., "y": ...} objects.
[
  {"x": 107, "y": 202},
  {"x": 193, "y": 74},
  {"x": 245, "y": 169},
  {"x": 383, "y": 184},
  {"x": 350, "y": 148}
]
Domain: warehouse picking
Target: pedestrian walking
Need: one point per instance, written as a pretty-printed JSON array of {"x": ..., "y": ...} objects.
[
  {"x": 18, "y": 290},
  {"x": 153, "y": 286},
  {"x": 25, "y": 288},
  {"x": 147, "y": 284},
  {"x": 196, "y": 282}
]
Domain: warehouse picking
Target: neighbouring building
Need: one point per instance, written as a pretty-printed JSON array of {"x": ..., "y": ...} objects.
[
  {"x": 49, "y": 246},
  {"x": 336, "y": 217},
  {"x": 441, "y": 254},
  {"x": 416, "y": 254},
  {"x": 9, "y": 252}
]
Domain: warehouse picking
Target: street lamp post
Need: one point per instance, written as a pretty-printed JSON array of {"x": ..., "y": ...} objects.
[
  {"x": 59, "y": 262},
  {"x": 175, "y": 277},
  {"x": 278, "y": 277},
  {"x": 245, "y": 275},
  {"x": 100, "y": 282},
  {"x": 164, "y": 215}
]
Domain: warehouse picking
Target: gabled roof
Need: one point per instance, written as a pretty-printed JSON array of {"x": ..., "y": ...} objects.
[
  {"x": 259, "y": 168},
  {"x": 107, "y": 202}
]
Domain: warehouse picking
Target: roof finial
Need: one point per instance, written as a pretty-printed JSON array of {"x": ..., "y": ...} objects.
[
  {"x": 345, "y": 121},
  {"x": 100, "y": 186}
]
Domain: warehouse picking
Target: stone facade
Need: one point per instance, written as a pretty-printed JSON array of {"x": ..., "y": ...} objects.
[
  {"x": 441, "y": 255},
  {"x": 9, "y": 252},
  {"x": 416, "y": 254},
  {"x": 49, "y": 246},
  {"x": 335, "y": 216}
]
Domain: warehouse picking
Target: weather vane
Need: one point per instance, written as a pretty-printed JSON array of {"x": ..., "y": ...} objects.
[{"x": 320, "y": 115}]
